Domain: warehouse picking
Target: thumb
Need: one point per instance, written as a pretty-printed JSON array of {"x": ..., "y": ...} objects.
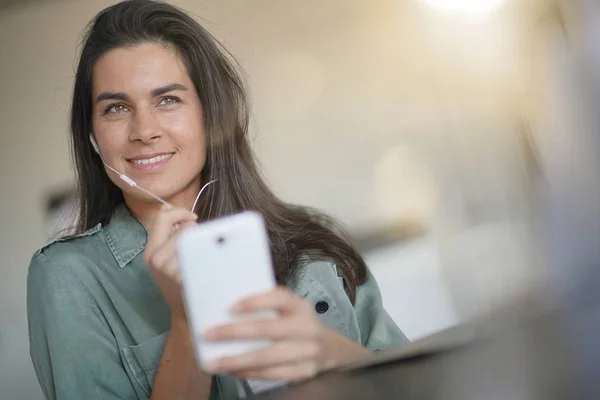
[{"x": 187, "y": 224}]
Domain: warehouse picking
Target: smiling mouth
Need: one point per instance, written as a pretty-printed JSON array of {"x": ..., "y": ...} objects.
[{"x": 153, "y": 160}]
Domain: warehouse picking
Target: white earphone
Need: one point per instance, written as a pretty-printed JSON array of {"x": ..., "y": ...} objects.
[{"x": 133, "y": 183}]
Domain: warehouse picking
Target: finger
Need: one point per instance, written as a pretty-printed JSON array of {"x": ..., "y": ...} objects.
[
  {"x": 168, "y": 269},
  {"x": 168, "y": 273},
  {"x": 280, "y": 299},
  {"x": 280, "y": 353},
  {"x": 164, "y": 252},
  {"x": 286, "y": 372},
  {"x": 187, "y": 224},
  {"x": 272, "y": 329},
  {"x": 165, "y": 259},
  {"x": 162, "y": 226},
  {"x": 172, "y": 216}
]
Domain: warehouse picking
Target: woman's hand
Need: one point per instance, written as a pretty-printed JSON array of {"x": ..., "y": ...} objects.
[
  {"x": 302, "y": 347},
  {"x": 160, "y": 255},
  {"x": 177, "y": 375}
]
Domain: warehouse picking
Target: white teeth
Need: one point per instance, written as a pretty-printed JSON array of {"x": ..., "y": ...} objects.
[{"x": 153, "y": 159}]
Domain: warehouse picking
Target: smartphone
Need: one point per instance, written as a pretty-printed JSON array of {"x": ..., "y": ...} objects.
[{"x": 223, "y": 261}]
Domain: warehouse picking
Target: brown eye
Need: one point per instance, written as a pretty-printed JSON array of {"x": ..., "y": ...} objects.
[
  {"x": 115, "y": 109},
  {"x": 167, "y": 101}
]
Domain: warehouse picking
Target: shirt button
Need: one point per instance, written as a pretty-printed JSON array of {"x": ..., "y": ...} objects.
[{"x": 322, "y": 307}]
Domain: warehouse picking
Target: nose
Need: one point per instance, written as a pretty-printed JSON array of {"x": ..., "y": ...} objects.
[{"x": 144, "y": 127}]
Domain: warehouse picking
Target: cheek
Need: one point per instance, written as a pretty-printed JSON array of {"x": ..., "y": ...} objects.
[
  {"x": 195, "y": 148},
  {"x": 196, "y": 151},
  {"x": 189, "y": 134},
  {"x": 111, "y": 137}
]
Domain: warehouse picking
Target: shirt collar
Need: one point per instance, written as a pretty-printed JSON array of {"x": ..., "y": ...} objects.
[{"x": 125, "y": 235}]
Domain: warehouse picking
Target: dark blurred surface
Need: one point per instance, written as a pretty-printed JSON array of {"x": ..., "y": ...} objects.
[{"x": 522, "y": 353}]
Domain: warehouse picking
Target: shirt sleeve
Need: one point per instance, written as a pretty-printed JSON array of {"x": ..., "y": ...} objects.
[
  {"x": 378, "y": 331},
  {"x": 366, "y": 322},
  {"x": 74, "y": 353}
]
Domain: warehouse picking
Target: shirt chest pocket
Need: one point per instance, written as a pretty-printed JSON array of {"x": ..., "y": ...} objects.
[{"x": 141, "y": 362}]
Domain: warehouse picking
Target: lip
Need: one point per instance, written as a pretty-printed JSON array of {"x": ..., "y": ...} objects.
[{"x": 149, "y": 167}]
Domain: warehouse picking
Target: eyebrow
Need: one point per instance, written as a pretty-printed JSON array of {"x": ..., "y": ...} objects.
[
  {"x": 111, "y": 96},
  {"x": 155, "y": 92},
  {"x": 168, "y": 88}
]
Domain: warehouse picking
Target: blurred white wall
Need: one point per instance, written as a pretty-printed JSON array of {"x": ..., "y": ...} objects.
[{"x": 368, "y": 110}]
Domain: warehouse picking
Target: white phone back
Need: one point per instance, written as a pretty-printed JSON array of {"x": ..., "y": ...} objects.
[{"x": 221, "y": 262}]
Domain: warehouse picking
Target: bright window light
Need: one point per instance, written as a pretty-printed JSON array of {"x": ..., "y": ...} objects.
[{"x": 465, "y": 7}]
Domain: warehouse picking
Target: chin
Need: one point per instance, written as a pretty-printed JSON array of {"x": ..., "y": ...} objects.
[
  {"x": 166, "y": 190},
  {"x": 139, "y": 196}
]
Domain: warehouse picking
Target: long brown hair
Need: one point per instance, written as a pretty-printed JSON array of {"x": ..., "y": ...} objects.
[{"x": 295, "y": 232}]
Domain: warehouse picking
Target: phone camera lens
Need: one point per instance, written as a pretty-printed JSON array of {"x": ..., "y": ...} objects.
[{"x": 220, "y": 240}]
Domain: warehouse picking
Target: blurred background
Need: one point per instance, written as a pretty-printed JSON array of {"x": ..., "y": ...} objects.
[{"x": 431, "y": 128}]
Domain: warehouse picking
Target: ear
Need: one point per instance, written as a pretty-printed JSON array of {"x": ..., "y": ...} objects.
[{"x": 94, "y": 144}]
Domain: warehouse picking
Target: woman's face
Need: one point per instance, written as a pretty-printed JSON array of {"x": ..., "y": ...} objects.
[{"x": 147, "y": 121}]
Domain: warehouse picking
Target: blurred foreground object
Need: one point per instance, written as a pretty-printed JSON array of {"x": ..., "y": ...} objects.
[
  {"x": 520, "y": 354},
  {"x": 569, "y": 147}
]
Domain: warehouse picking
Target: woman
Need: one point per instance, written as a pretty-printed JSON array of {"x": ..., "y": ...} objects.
[{"x": 164, "y": 106}]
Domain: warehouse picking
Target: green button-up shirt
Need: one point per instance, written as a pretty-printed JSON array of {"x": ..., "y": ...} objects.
[{"x": 98, "y": 322}]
